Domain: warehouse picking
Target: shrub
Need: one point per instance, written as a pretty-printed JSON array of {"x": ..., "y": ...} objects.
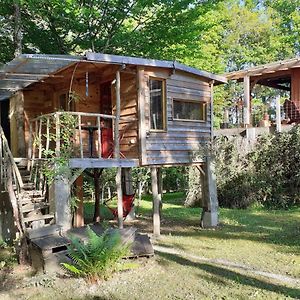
[
  {"x": 98, "y": 258},
  {"x": 267, "y": 172}
]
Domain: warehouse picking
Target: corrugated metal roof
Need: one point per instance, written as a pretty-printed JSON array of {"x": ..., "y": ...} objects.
[
  {"x": 29, "y": 68},
  {"x": 128, "y": 60}
]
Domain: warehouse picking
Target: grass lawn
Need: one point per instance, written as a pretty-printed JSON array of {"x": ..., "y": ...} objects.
[{"x": 268, "y": 241}]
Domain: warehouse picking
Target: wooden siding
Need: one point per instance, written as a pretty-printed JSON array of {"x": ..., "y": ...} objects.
[
  {"x": 182, "y": 140},
  {"x": 129, "y": 122}
]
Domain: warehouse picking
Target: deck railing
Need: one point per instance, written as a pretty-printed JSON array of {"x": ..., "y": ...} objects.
[{"x": 45, "y": 135}]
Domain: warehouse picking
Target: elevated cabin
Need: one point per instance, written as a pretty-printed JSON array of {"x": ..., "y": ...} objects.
[
  {"x": 128, "y": 112},
  {"x": 282, "y": 76}
]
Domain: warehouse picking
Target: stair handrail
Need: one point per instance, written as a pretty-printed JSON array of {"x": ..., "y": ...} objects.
[
  {"x": 8, "y": 158},
  {"x": 10, "y": 175}
]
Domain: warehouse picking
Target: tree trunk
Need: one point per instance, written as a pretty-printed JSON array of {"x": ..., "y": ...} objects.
[{"x": 17, "y": 38}]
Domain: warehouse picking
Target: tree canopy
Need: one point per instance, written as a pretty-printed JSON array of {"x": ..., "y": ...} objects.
[{"x": 216, "y": 35}]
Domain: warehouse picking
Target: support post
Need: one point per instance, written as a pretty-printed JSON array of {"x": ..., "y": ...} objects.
[
  {"x": 17, "y": 124},
  {"x": 61, "y": 193},
  {"x": 96, "y": 218},
  {"x": 246, "y": 101},
  {"x": 117, "y": 150},
  {"x": 156, "y": 202},
  {"x": 79, "y": 215},
  {"x": 120, "y": 197},
  {"x": 117, "y": 120},
  {"x": 209, "y": 217},
  {"x": 278, "y": 114}
]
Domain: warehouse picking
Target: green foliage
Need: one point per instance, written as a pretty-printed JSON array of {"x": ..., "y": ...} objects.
[
  {"x": 266, "y": 173},
  {"x": 98, "y": 258},
  {"x": 58, "y": 165}
]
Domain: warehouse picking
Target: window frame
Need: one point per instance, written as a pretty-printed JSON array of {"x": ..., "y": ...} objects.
[
  {"x": 70, "y": 105},
  {"x": 164, "y": 99},
  {"x": 197, "y": 101}
]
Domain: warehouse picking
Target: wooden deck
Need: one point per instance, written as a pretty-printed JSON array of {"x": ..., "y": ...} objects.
[{"x": 90, "y": 163}]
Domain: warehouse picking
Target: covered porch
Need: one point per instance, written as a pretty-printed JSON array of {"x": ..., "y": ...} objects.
[{"x": 249, "y": 108}]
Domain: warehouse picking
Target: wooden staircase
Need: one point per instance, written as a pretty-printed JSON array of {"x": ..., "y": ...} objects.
[{"x": 34, "y": 207}]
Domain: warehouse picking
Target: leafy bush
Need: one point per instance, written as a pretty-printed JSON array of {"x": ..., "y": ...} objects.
[
  {"x": 267, "y": 172},
  {"x": 98, "y": 258}
]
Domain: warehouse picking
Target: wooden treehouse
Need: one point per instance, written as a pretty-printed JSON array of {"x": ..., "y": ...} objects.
[
  {"x": 282, "y": 76},
  {"x": 126, "y": 112}
]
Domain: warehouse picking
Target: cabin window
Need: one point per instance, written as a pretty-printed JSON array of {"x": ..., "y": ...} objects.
[
  {"x": 157, "y": 104},
  {"x": 189, "y": 110},
  {"x": 65, "y": 103}
]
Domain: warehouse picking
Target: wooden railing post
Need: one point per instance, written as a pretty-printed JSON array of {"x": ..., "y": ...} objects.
[
  {"x": 99, "y": 137},
  {"x": 80, "y": 136},
  {"x": 40, "y": 138},
  {"x": 29, "y": 146},
  {"x": 57, "y": 130}
]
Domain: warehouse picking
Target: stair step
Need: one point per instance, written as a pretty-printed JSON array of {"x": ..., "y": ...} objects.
[
  {"x": 21, "y": 161},
  {"x": 32, "y": 194},
  {"x": 43, "y": 231},
  {"x": 38, "y": 218},
  {"x": 34, "y": 206},
  {"x": 25, "y": 201}
]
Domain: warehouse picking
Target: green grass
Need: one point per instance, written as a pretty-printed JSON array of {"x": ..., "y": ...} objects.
[{"x": 267, "y": 240}]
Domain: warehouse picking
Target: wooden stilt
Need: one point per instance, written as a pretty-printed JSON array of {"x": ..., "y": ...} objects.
[
  {"x": 160, "y": 188},
  {"x": 156, "y": 202},
  {"x": 120, "y": 197},
  {"x": 209, "y": 216},
  {"x": 96, "y": 218},
  {"x": 79, "y": 215}
]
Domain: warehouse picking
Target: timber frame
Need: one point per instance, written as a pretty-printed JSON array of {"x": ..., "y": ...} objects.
[{"x": 109, "y": 97}]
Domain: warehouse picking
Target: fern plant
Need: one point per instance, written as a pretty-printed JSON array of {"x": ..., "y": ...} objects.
[{"x": 98, "y": 258}]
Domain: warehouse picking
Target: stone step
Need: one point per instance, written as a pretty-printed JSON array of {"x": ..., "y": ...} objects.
[
  {"x": 28, "y": 207},
  {"x": 38, "y": 218}
]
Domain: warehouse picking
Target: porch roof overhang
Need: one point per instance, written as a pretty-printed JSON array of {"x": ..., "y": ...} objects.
[
  {"x": 27, "y": 69},
  {"x": 276, "y": 74}
]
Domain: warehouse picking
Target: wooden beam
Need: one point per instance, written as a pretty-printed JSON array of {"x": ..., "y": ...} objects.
[
  {"x": 156, "y": 202},
  {"x": 141, "y": 113},
  {"x": 90, "y": 163}
]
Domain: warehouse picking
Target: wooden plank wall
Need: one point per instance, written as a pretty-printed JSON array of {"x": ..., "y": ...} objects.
[
  {"x": 183, "y": 139},
  {"x": 129, "y": 127},
  {"x": 43, "y": 98},
  {"x": 295, "y": 86}
]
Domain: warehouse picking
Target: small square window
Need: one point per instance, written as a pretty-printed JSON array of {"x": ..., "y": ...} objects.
[{"x": 189, "y": 110}]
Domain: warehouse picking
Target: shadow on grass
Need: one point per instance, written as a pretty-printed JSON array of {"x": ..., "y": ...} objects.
[
  {"x": 279, "y": 228},
  {"x": 221, "y": 274}
]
